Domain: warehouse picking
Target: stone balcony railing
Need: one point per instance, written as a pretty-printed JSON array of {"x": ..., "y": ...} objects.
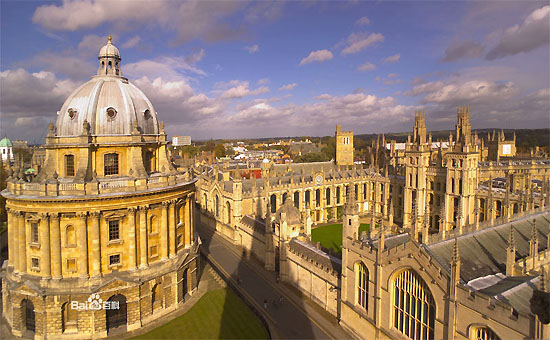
[{"x": 104, "y": 186}]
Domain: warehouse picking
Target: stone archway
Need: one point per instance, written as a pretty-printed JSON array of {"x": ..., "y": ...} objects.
[
  {"x": 29, "y": 318},
  {"x": 116, "y": 318}
]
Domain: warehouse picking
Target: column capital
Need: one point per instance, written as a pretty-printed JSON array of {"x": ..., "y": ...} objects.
[
  {"x": 95, "y": 214},
  {"x": 143, "y": 207},
  {"x": 166, "y": 203},
  {"x": 81, "y": 214},
  {"x": 43, "y": 215},
  {"x": 132, "y": 209},
  {"x": 54, "y": 216}
]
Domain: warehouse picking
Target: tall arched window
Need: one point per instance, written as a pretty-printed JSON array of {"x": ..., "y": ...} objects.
[
  {"x": 153, "y": 223},
  {"x": 483, "y": 333},
  {"x": 337, "y": 195},
  {"x": 327, "y": 195},
  {"x": 69, "y": 165},
  {"x": 308, "y": 197},
  {"x": 205, "y": 202},
  {"x": 284, "y": 197},
  {"x": 361, "y": 285},
  {"x": 217, "y": 206},
  {"x": 414, "y": 306},
  {"x": 111, "y": 164},
  {"x": 70, "y": 236},
  {"x": 297, "y": 199},
  {"x": 228, "y": 213},
  {"x": 317, "y": 198},
  {"x": 273, "y": 203}
]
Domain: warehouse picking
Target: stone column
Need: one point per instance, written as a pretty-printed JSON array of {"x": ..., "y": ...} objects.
[
  {"x": 164, "y": 231},
  {"x": 12, "y": 228},
  {"x": 143, "y": 237},
  {"x": 132, "y": 264},
  {"x": 22, "y": 243},
  {"x": 187, "y": 222},
  {"x": 55, "y": 239},
  {"x": 96, "y": 244},
  {"x": 192, "y": 217},
  {"x": 83, "y": 245},
  {"x": 45, "y": 259},
  {"x": 172, "y": 228}
]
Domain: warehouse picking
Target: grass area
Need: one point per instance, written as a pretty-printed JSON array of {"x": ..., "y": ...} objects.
[
  {"x": 219, "y": 314},
  {"x": 330, "y": 235}
]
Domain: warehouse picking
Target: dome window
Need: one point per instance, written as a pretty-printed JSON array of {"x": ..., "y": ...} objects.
[
  {"x": 147, "y": 114},
  {"x": 72, "y": 113},
  {"x": 111, "y": 113}
]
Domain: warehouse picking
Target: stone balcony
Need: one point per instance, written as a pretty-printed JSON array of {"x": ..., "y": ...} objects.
[{"x": 96, "y": 187}]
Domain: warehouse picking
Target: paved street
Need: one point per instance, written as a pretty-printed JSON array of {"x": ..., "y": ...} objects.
[{"x": 289, "y": 318}]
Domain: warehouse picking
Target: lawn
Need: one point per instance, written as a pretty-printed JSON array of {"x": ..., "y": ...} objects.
[
  {"x": 219, "y": 314},
  {"x": 330, "y": 235}
]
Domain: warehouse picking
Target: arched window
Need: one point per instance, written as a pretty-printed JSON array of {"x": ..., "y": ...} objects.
[
  {"x": 284, "y": 198},
  {"x": 308, "y": 197},
  {"x": 149, "y": 162},
  {"x": 70, "y": 236},
  {"x": 356, "y": 192},
  {"x": 327, "y": 195},
  {"x": 68, "y": 317},
  {"x": 228, "y": 213},
  {"x": 297, "y": 199},
  {"x": 337, "y": 195},
  {"x": 153, "y": 223},
  {"x": 361, "y": 285},
  {"x": 317, "y": 198},
  {"x": 364, "y": 191},
  {"x": 28, "y": 307},
  {"x": 69, "y": 165},
  {"x": 156, "y": 297},
  {"x": 217, "y": 205},
  {"x": 483, "y": 333},
  {"x": 273, "y": 203},
  {"x": 414, "y": 306},
  {"x": 205, "y": 203},
  {"x": 111, "y": 164}
]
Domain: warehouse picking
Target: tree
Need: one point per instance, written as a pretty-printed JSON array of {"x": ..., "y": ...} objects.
[{"x": 219, "y": 150}]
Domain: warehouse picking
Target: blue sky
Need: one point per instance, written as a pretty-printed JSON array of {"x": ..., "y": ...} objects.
[{"x": 258, "y": 69}]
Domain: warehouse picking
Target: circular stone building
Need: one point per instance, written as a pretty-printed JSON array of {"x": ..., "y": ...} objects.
[{"x": 102, "y": 239}]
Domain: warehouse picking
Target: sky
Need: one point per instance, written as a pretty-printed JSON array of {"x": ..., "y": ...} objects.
[{"x": 250, "y": 69}]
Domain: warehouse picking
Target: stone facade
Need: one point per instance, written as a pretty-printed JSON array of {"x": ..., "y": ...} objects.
[
  {"x": 108, "y": 217},
  {"x": 344, "y": 146}
]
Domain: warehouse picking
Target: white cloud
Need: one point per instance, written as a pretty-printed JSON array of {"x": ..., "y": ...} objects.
[
  {"x": 287, "y": 87},
  {"x": 191, "y": 19},
  {"x": 357, "y": 42},
  {"x": 319, "y": 55},
  {"x": 264, "y": 81},
  {"x": 323, "y": 96},
  {"x": 362, "y": 21},
  {"x": 393, "y": 58},
  {"x": 532, "y": 33},
  {"x": 392, "y": 75},
  {"x": 239, "y": 89},
  {"x": 252, "y": 49},
  {"x": 366, "y": 67},
  {"x": 132, "y": 42},
  {"x": 170, "y": 68}
]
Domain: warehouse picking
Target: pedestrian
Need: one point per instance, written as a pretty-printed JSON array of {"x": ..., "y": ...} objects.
[{"x": 265, "y": 304}]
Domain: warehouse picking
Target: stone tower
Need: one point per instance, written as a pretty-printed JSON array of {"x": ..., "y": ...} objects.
[{"x": 344, "y": 146}]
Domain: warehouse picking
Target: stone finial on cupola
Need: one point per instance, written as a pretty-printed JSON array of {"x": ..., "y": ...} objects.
[{"x": 109, "y": 60}]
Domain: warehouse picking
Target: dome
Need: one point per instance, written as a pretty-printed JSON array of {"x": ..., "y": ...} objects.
[
  {"x": 109, "y": 50},
  {"x": 5, "y": 142},
  {"x": 292, "y": 213},
  {"x": 108, "y": 102}
]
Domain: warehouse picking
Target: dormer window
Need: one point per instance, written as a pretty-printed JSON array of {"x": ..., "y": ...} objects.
[
  {"x": 72, "y": 113},
  {"x": 111, "y": 113}
]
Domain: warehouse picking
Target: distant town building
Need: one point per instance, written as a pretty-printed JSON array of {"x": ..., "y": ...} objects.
[
  {"x": 6, "y": 149},
  {"x": 181, "y": 140}
]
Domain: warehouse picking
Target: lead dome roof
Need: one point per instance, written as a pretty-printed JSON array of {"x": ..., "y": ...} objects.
[{"x": 108, "y": 102}]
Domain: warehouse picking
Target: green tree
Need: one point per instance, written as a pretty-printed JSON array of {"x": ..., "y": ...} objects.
[{"x": 219, "y": 150}]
